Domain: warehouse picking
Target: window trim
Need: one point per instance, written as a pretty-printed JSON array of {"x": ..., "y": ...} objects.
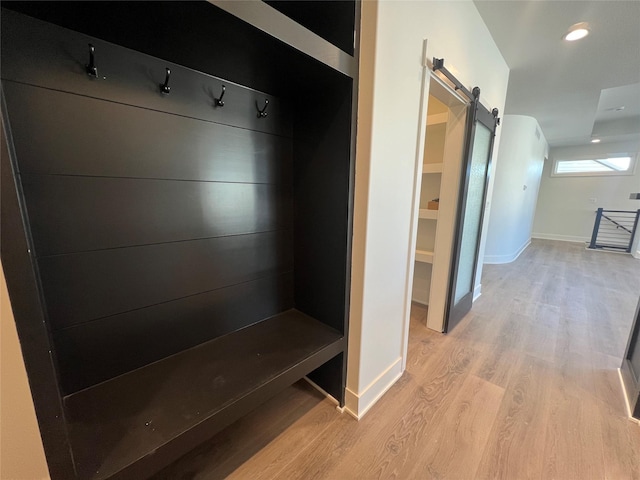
[{"x": 630, "y": 171}]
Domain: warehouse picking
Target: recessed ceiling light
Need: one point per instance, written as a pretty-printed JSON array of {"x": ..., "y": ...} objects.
[
  {"x": 576, "y": 32},
  {"x": 595, "y": 140}
]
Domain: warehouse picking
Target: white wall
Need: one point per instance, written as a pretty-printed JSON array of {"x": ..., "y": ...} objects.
[
  {"x": 21, "y": 451},
  {"x": 516, "y": 188},
  {"x": 564, "y": 210},
  {"x": 388, "y": 141}
]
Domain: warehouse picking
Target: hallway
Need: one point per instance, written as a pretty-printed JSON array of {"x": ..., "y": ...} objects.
[{"x": 525, "y": 387}]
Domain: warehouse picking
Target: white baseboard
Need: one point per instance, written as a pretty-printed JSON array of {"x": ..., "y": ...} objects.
[
  {"x": 357, "y": 404},
  {"x": 477, "y": 292},
  {"x": 636, "y": 254},
  {"x": 498, "y": 259},
  {"x": 562, "y": 238},
  {"x": 626, "y": 399}
]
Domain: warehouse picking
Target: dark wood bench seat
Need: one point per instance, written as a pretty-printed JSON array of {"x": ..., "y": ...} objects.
[{"x": 140, "y": 421}]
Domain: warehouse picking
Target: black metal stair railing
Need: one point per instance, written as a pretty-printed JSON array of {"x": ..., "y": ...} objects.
[{"x": 614, "y": 229}]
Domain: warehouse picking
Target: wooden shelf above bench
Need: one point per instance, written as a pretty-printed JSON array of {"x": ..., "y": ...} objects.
[{"x": 138, "y": 422}]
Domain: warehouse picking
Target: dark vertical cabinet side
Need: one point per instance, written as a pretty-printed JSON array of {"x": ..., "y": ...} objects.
[
  {"x": 631, "y": 366},
  {"x": 322, "y": 194},
  {"x": 19, "y": 269}
]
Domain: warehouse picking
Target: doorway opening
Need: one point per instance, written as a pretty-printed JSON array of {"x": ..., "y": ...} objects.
[{"x": 438, "y": 184}]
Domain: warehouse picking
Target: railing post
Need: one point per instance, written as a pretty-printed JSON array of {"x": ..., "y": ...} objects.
[
  {"x": 596, "y": 226},
  {"x": 633, "y": 231}
]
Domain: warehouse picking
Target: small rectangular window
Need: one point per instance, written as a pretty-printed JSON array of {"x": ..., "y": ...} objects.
[{"x": 614, "y": 165}]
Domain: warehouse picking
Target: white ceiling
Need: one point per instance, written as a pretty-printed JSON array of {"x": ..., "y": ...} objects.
[{"x": 571, "y": 88}]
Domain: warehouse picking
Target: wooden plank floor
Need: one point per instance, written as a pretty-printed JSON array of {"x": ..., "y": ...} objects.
[{"x": 526, "y": 387}]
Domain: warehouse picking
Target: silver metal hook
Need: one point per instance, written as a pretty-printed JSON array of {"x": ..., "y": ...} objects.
[
  {"x": 263, "y": 113},
  {"x": 219, "y": 102}
]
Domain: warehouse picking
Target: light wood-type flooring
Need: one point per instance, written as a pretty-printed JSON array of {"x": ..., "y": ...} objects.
[{"x": 525, "y": 387}]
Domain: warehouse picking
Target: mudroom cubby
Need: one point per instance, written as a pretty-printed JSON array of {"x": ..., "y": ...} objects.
[{"x": 176, "y": 223}]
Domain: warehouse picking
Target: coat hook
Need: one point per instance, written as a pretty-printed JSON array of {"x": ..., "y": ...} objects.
[
  {"x": 165, "y": 89},
  {"x": 263, "y": 113},
  {"x": 219, "y": 102},
  {"x": 91, "y": 68}
]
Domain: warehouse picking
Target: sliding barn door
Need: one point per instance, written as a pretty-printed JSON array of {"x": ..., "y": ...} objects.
[{"x": 473, "y": 192}]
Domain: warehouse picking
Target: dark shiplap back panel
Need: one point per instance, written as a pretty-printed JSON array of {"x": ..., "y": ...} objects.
[
  {"x": 55, "y": 58},
  {"x": 139, "y": 337},
  {"x": 85, "y": 138},
  {"x": 159, "y": 222},
  {"x": 86, "y": 286},
  {"x": 146, "y": 211}
]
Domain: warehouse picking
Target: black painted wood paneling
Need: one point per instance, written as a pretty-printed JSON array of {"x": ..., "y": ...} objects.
[
  {"x": 630, "y": 368},
  {"x": 331, "y": 377},
  {"x": 75, "y": 214},
  {"x": 27, "y": 307},
  {"x": 153, "y": 414},
  {"x": 201, "y": 37},
  {"x": 86, "y": 286},
  {"x": 57, "y": 58},
  {"x": 77, "y": 135},
  {"x": 121, "y": 185},
  {"x": 115, "y": 345},
  {"x": 322, "y": 182},
  {"x": 321, "y": 192}
]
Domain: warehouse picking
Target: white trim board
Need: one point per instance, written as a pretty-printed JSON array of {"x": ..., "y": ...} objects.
[
  {"x": 415, "y": 199},
  {"x": 562, "y": 238},
  {"x": 477, "y": 291},
  {"x": 357, "y": 404},
  {"x": 498, "y": 259},
  {"x": 266, "y": 18},
  {"x": 636, "y": 254},
  {"x": 626, "y": 399},
  {"x": 330, "y": 397}
]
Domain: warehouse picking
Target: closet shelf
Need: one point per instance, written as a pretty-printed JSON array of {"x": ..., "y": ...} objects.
[
  {"x": 131, "y": 424},
  {"x": 437, "y": 118},
  {"x": 428, "y": 214},
  {"x": 432, "y": 168},
  {"x": 424, "y": 256}
]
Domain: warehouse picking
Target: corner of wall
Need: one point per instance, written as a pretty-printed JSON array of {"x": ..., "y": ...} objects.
[
  {"x": 357, "y": 404},
  {"x": 507, "y": 258},
  {"x": 368, "y": 34},
  {"x": 560, "y": 238},
  {"x": 477, "y": 291},
  {"x": 21, "y": 457}
]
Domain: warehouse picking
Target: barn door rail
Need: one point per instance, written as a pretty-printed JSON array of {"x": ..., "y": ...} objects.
[
  {"x": 438, "y": 66},
  {"x": 614, "y": 229}
]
